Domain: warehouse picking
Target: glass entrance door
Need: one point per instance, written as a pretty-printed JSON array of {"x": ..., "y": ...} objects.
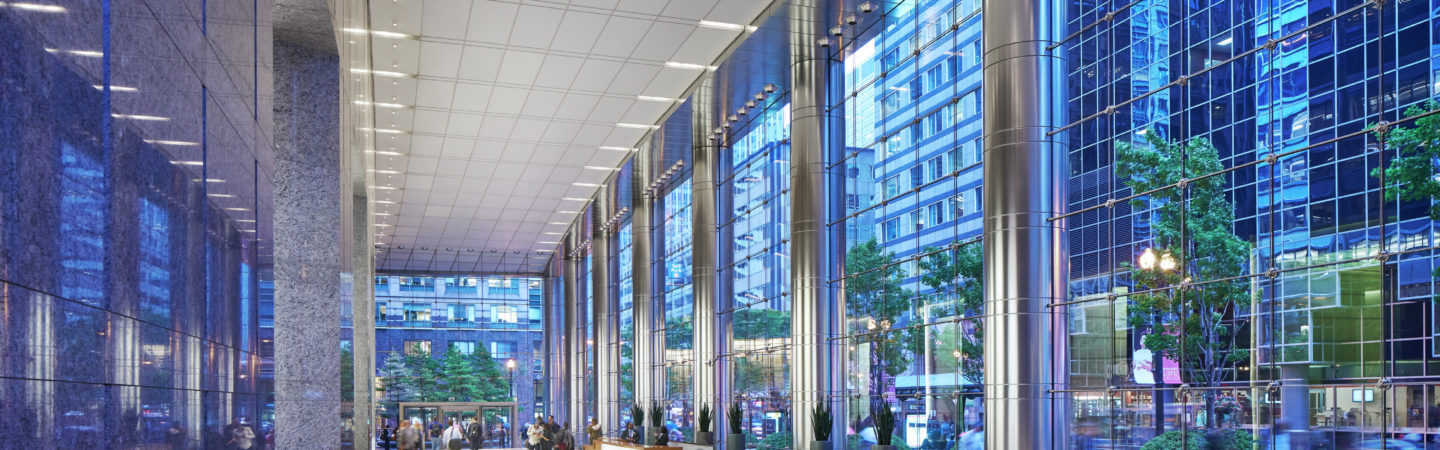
[{"x": 499, "y": 422}]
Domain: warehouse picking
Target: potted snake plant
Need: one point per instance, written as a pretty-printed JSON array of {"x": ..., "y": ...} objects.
[
  {"x": 657, "y": 419},
  {"x": 703, "y": 435},
  {"x": 637, "y": 414},
  {"x": 735, "y": 440},
  {"x": 884, "y": 425},
  {"x": 820, "y": 422}
]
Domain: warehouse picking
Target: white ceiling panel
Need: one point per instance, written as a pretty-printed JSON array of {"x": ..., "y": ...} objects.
[
  {"x": 491, "y": 21},
  {"x": 504, "y": 104}
]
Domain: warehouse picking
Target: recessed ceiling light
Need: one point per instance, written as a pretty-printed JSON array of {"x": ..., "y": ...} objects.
[
  {"x": 658, "y": 99},
  {"x": 599, "y": 168},
  {"x": 688, "y": 66},
  {"x": 188, "y": 163},
  {"x": 386, "y": 153},
  {"x": 386, "y": 131},
  {"x": 568, "y": 212},
  {"x": 547, "y": 242},
  {"x": 386, "y": 172},
  {"x": 176, "y": 143},
  {"x": 559, "y": 223},
  {"x": 89, "y": 53},
  {"x": 385, "y": 202},
  {"x": 36, "y": 7},
  {"x": 380, "y": 104},
  {"x": 618, "y": 149},
  {"x": 726, "y": 26},
  {"x": 586, "y": 184},
  {"x": 140, "y": 117},
  {"x": 378, "y": 33},
  {"x": 640, "y": 126},
  {"x": 552, "y": 233},
  {"x": 237, "y": 209},
  {"x": 576, "y": 199},
  {"x": 383, "y": 73},
  {"x": 222, "y": 195},
  {"x": 386, "y": 188},
  {"x": 114, "y": 88}
]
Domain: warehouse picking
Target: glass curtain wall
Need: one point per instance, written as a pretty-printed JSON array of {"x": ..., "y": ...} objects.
[
  {"x": 679, "y": 312},
  {"x": 625, "y": 318},
  {"x": 758, "y": 180},
  {"x": 1277, "y": 265},
  {"x": 589, "y": 320},
  {"x": 911, "y": 283}
]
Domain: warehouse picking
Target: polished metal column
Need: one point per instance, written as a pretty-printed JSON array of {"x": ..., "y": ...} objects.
[
  {"x": 1025, "y": 259},
  {"x": 557, "y": 396},
  {"x": 605, "y": 358},
  {"x": 574, "y": 327},
  {"x": 642, "y": 229},
  {"x": 704, "y": 152},
  {"x": 809, "y": 305}
]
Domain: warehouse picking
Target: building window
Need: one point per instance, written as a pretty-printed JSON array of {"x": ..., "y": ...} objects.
[
  {"x": 417, "y": 311},
  {"x": 504, "y": 314},
  {"x": 417, "y": 348},
  {"x": 463, "y": 347},
  {"x": 460, "y": 313},
  {"x": 502, "y": 349}
]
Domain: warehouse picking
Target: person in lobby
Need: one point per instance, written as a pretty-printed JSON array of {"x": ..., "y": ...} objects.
[
  {"x": 594, "y": 432},
  {"x": 629, "y": 435},
  {"x": 563, "y": 439},
  {"x": 662, "y": 435},
  {"x": 535, "y": 436}
]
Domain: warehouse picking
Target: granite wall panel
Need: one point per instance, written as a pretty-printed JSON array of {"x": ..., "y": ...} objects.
[{"x": 130, "y": 257}]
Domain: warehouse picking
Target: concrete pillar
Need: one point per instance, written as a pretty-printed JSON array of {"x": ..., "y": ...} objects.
[
  {"x": 1025, "y": 259},
  {"x": 309, "y": 237}
]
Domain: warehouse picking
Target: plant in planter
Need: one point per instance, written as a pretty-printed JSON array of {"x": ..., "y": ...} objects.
[
  {"x": 820, "y": 422},
  {"x": 657, "y": 419},
  {"x": 884, "y": 425},
  {"x": 703, "y": 436},
  {"x": 735, "y": 440},
  {"x": 638, "y": 415}
]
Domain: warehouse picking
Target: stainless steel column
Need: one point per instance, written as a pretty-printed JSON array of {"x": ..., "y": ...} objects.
[
  {"x": 556, "y": 340},
  {"x": 600, "y": 281},
  {"x": 642, "y": 230},
  {"x": 574, "y": 327},
  {"x": 704, "y": 153},
  {"x": 809, "y": 307},
  {"x": 1025, "y": 259}
]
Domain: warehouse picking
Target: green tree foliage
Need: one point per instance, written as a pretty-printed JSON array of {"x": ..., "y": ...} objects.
[
  {"x": 679, "y": 333},
  {"x": 1195, "y": 325},
  {"x": 347, "y": 374},
  {"x": 953, "y": 276},
  {"x": 467, "y": 377},
  {"x": 875, "y": 301},
  {"x": 1177, "y": 440},
  {"x": 1414, "y": 175}
]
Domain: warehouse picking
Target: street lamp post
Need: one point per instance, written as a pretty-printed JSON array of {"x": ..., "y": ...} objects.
[
  {"x": 1164, "y": 263},
  {"x": 510, "y": 367}
]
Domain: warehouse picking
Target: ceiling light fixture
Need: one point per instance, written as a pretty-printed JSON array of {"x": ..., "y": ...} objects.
[
  {"x": 36, "y": 7},
  {"x": 385, "y": 202},
  {"x": 688, "y": 66},
  {"x": 175, "y": 143},
  {"x": 383, "y": 73},
  {"x": 386, "y": 131},
  {"x": 638, "y": 126},
  {"x": 559, "y": 223},
  {"x": 386, "y": 172},
  {"x": 618, "y": 149},
  {"x": 390, "y": 153},
  {"x": 382, "y": 105},
  {"x": 114, "y": 88},
  {"x": 386, "y": 188},
  {"x": 600, "y": 168},
  {"x": 658, "y": 99},
  {"x": 377, "y": 33},
  {"x": 568, "y": 212},
  {"x": 576, "y": 199},
  {"x": 141, "y": 117},
  {"x": 188, "y": 163},
  {"x": 727, "y": 26},
  {"x": 586, "y": 184}
]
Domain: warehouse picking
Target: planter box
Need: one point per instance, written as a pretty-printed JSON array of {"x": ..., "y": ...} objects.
[
  {"x": 882, "y": 447},
  {"x": 819, "y": 445},
  {"x": 704, "y": 437},
  {"x": 734, "y": 442}
]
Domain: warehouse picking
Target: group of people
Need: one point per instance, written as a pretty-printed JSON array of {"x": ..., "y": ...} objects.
[
  {"x": 549, "y": 436},
  {"x": 453, "y": 435}
]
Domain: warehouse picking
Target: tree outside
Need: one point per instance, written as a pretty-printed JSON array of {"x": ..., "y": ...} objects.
[
  {"x": 953, "y": 276},
  {"x": 875, "y": 302},
  {"x": 416, "y": 377},
  {"x": 1192, "y": 306},
  {"x": 1414, "y": 174}
]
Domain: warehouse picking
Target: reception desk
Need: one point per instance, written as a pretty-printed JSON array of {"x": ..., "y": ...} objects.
[{"x": 616, "y": 444}]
